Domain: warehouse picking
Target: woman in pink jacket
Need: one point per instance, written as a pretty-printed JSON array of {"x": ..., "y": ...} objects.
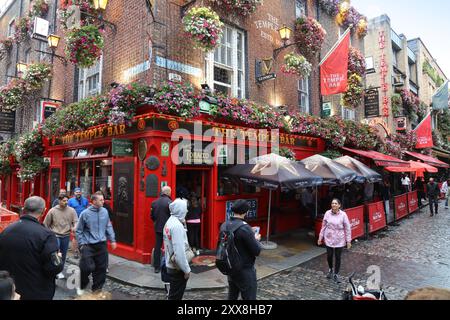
[{"x": 336, "y": 231}]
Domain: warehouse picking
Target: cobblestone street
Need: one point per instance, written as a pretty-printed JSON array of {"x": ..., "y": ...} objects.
[{"x": 411, "y": 255}]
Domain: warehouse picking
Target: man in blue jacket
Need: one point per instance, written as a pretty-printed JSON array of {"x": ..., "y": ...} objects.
[
  {"x": 79, "y": 203},
  {"x": 93, "y": 230}
]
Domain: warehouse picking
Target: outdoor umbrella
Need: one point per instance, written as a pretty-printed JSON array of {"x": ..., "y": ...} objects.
[
  {"x": 363, "y": 172},
  {"x": 272, "y": 172},
  {"x": 333, "y": 173}
]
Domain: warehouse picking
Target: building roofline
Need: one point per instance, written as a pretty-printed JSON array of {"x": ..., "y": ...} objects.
[{"x": 426, "y": 48}]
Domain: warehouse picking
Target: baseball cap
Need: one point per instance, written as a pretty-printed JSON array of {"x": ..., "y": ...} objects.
[{"x": 77, "y": 190}]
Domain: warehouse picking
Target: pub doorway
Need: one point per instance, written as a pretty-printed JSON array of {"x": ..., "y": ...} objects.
[{"x": 196, "y": 182}]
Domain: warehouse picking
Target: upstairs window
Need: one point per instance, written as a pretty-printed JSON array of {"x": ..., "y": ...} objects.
[
  {"x": 225, "y": 68},
  {"x": 90, "y": 81},
  {"x": 300, "y": 8}
]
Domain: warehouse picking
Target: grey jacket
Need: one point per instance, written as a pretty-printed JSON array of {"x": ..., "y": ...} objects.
[
  {"x": 94, "y": 226},
  {"x": 175, "y": 237}
]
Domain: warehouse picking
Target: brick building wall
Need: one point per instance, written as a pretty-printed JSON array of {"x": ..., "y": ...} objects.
[{"x": 141, "y": 37}]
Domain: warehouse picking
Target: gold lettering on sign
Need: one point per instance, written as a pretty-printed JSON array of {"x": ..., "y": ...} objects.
[{"x": 92, "y": 134}]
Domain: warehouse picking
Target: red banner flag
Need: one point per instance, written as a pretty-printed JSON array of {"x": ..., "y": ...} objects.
[
  {"x": 334, "y": 68},
  {"x": 424, "y": 134}
]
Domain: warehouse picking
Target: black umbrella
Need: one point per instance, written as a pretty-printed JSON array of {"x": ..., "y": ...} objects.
[
  {"x": 364, "y": 173},
  {"x": 272, "y": 172},
  {"x": 333, "y": 173}
]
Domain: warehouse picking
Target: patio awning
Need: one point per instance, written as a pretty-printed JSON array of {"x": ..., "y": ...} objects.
[
  {"x": 418, "y": 167},
  {"x": 380, "y": 159},
  {"x": 428, "y": 160}
]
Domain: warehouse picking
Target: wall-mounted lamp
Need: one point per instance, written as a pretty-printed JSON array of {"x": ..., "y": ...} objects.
[
  {"x": 53, "y": 42},
  {"x": 100, "y": 6},
  {"x": 285, "y": 35}
]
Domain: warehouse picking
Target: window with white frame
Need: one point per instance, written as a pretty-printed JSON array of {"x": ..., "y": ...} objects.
[
  {"x": 11, "y": 28},
  {"x": 303, "y": 95},
  {"x": 89, "y": 83},
  {"x": 348, "y": 114},
  {"x": 300, "y": 8},
  {"x": 225, "y": 68}
]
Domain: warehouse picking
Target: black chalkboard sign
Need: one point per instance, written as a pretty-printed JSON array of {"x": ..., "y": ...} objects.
[
  {"x": 252, "y": 213},
  {"x": 372, "y": 103}
]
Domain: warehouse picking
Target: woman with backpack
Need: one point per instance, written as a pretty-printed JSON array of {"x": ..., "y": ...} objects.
[{"x": 337, "y": 234}]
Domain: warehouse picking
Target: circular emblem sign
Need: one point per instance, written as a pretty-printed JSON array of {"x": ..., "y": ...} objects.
[
  {"x": 141, "y": 125},
  {"x": 173, "y": 125},
  {"x": 152, "y": 163}
]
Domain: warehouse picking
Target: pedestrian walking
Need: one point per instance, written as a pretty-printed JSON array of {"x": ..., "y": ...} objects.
[
  {"x": 336, "y": 233},
  {"x": 56, "y": 201},
  {"x": 7, "y": 287},
  {"x": 29, "y": 252},
  {"x": 433, "y": 193},
  {"x": 160, "y": 213},
  {"x": 386, "y": 194},
  {"x": 79, "y": 203},
  {"x": 445, "y": 191},
  {"x": 93, "y": 230},
  {"x": 62, "y": 220},
  {"x": 246, "y": 241},
  {"x": 175, "y": 247},
  {"x": 406, "y": 183},
  {"x": 193, "y": 222},
  {"x": 419, "y": 187}
]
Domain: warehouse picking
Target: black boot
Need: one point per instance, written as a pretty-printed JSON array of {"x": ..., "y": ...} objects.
[
  {"x": 330, "y": 274},
  {"x": 336, "y": 278}
]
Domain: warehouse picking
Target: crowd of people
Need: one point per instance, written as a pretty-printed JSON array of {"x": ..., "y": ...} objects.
[{"x": 32, "y": 255}]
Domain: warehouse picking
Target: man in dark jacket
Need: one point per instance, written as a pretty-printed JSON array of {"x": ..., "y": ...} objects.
[
  {"x": 433, "y": 195},
  {"x": 248, "y": 246},
  {"x": 160, "y": 213},
  {"x": 29, "y": 252}
]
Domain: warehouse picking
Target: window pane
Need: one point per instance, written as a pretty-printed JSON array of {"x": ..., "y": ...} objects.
[
  {"x": 103, "y": 177},
  {"x": 239, "y": 41},
  {"x": 229, "y": 56},
  {"x": 226, "y": 186},
  {"x": 222, "y": 75},
  {"x": 225, "y": 90},
  {"x": 86, "y": 178},
  {"x": 71, "y": 177}
]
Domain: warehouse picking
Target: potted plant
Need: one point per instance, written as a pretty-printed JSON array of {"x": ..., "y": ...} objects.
[
  {"x": 204, "y": 27},
  {"x": 23, "y": 29},
  {"x": 84, "y": 45},
  {"x": 396, "y": 104},
  {"x": 36, "y": 75},
  {"x": 331, "y": 7},
  {"x": 310, "y": 36},
  {"x": 242, "y": 7},
  {"x": 297, "y": 65},
  {"x": 177, "y": 99}
]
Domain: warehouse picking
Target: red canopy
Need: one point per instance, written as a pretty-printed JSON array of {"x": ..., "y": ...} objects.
[
  {"x": 418, "y": 167},
  {"x": 380, "y": 159},
  {"x": 429, "y": 160}
]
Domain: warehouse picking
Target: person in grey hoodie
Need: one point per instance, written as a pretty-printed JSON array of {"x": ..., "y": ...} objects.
[
  {"x": 93, "y": 230},
  {"x": 175, "y": 246}
]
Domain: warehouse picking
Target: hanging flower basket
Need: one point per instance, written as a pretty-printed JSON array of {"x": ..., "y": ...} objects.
[
  {"x": 297, "y": 65},
  {"x": 242, "y": 7},
  {"x": 362, "y": 27},
  {"x": 39, "y": 8},
  {"x": 331, "y": 7},
  {"x": 204, "y": 27},
  {"x": 12, "y": 96},
  {"x": 23, "y": 29},
  {"x": 310, "y": 35},
  {"x": 37, "y": 74},
  {"x": 31, "y": 168},
  {"x": 84, "y": 46},
  {"x": 352, "y": 98},
  {"x": 356, "y": 62},
  {"x": 7, "y": 43}
]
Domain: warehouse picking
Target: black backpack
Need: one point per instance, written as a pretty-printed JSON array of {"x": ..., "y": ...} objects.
[{"x": 228, "y": 259}]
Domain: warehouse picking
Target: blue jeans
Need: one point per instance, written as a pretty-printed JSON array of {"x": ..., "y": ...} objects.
[{"x": 63, "y": 244}]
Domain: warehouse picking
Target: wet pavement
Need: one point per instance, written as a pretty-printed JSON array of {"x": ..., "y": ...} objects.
[{"x": 413, "y": 254}]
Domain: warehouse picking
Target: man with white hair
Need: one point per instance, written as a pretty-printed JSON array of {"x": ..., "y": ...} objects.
[
  {"x": 29, "y": 252},
  {"x": 160, "y": 213}
]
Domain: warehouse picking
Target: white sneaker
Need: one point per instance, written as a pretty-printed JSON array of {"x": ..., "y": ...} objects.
[
  {"x": 60, "y": 276},
  {"x": 80, "y": 292}
]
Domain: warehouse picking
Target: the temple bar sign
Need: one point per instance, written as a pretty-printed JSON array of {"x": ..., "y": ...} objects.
[{"x": 94, "y": 134}]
